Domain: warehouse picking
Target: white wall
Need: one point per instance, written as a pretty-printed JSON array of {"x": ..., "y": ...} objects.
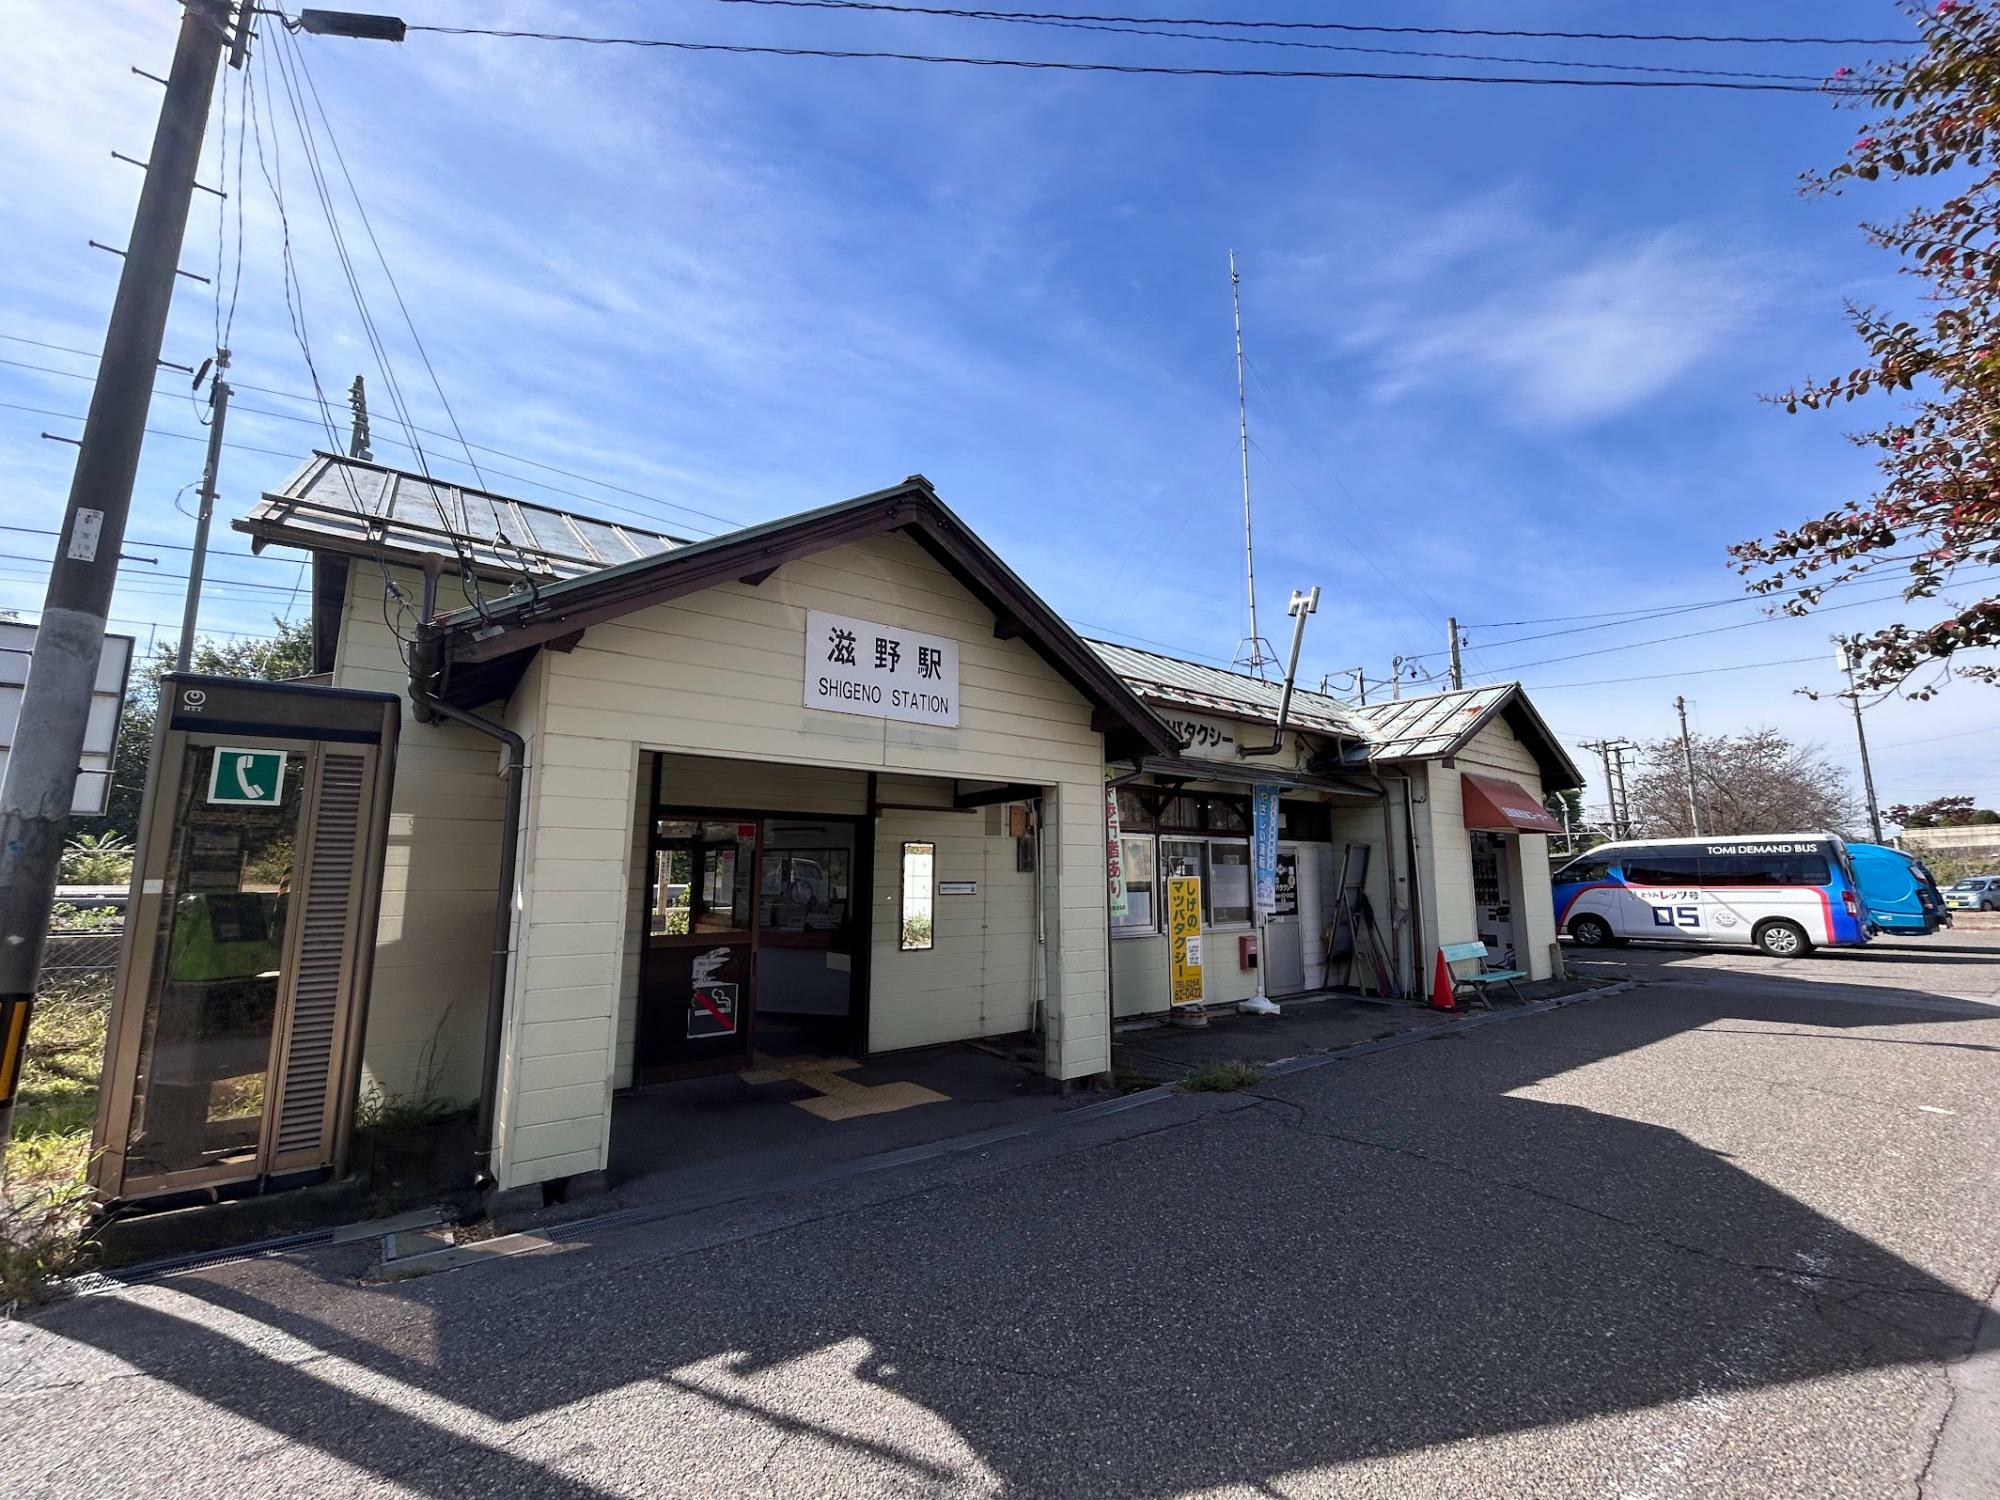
[
  {"x": 978, "y": 978},
  {"x": 1446, "y": 864},
  {"x": 427, "y": 1000},
  {"x": 720, "y": 675}
]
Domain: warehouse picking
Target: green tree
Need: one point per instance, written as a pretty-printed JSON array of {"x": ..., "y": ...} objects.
[
  {"x": 1937, "y": 509},
  {"x": 1939, "y": 812},
  {"x": 287, "y": 652}
]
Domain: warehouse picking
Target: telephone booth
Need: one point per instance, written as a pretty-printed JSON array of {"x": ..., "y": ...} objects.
[{"x": 235, "y": 1033}]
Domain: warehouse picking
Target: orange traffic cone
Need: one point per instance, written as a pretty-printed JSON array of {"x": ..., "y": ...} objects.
[{"x": 1444, "y": 994}]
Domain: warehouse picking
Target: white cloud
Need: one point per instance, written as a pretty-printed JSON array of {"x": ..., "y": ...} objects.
[{"x": 1565, "y": 345}]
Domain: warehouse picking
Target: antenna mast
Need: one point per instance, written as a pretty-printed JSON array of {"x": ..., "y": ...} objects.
[{"x": 1253, "y": 652}]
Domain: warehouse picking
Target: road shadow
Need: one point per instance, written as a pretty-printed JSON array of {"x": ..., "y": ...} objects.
[{"x": 1316, "y": 1277}]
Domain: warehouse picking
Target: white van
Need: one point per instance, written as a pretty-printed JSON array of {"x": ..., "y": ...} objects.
[{"x": 1786, "y": 893}]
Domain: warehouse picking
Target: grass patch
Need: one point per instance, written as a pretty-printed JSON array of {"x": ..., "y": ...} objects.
[
  {"x": 57, "y": 1105},
  {"x": 45, "y": 1213},
  {"x": 1222, "y": 1077}
]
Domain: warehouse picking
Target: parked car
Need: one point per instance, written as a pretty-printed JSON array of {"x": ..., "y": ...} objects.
[
  {"x": 1897, "y": 891},
  {"x": 1975, "y": 893}
]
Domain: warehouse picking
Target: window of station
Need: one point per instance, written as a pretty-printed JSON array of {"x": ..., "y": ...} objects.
[
  {"x": 919, "y": 868},
  {"x": 1164, "y": 832}
]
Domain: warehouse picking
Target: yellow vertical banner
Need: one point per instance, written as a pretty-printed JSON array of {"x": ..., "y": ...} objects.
[{"x": 1184, "y": 938}]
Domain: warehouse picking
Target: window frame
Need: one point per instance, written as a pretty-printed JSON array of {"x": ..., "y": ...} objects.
[
  {"x": 1152, "y": 927},
  {"x": 903, "y": 943}
]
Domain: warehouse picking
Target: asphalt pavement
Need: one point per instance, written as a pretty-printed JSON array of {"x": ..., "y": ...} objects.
[{"x": 1728, "y": 1232}]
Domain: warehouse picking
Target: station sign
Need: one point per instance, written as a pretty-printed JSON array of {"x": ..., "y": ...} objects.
[{"x": 880, "y": 671}]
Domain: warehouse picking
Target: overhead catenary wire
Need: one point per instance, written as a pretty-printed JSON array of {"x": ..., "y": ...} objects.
[
  {"x": 902, "y": 7},
  {"x": 1156, "y": 70}
]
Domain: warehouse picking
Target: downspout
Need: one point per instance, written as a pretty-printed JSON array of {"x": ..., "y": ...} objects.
[
  {"x": 1416, "y": 886},
  {"x": 1389, "y": 853},
  {"x": 429, "y": 710}
]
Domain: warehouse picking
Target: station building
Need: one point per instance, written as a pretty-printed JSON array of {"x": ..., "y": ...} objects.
[{"x": 840, "y": 785}]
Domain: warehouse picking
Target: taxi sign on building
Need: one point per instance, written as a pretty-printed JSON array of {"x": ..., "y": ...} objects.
[
  {"x": 1184, "y": 939},
  {"x": 247, "y": 777}
]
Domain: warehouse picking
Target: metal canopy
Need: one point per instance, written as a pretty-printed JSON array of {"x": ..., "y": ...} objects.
[
  {"x": 1168, "y": 679},
  {"x": 340, "y": 504}
]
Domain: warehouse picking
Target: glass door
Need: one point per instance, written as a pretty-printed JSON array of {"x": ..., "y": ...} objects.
[
  {"x": 810, "y": 932},
  {"x": 697, "y": 979},
  {"x": 201, "y": 1097}
]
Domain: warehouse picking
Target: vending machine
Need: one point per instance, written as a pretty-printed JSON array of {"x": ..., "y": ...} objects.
[{"x": 234, "y": 1049}]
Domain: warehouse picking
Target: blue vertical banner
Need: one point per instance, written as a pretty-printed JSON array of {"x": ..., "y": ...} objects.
[{"x": 1264, "y": 847}]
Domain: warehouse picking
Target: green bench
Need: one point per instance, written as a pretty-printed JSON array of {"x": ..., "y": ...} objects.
[{"x": 1480, "y": 978}]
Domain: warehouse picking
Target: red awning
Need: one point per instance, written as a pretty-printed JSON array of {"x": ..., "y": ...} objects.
[{"x": 1503, "y": 806}]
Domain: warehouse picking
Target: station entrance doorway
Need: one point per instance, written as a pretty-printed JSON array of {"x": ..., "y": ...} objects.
[{"x": 755, "y": 941}]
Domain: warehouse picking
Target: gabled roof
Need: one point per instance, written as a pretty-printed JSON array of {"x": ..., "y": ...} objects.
[
  {"x": 475, "y": 655},
  {"x": 1169, "y": 679},
  {"x": 1443, "y": 724},
  {"x": 345, "y": 505}
]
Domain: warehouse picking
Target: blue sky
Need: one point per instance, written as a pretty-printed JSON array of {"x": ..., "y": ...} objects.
[{"x": 1506, "y": 344}]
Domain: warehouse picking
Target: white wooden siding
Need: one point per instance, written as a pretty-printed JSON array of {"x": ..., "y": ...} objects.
[
  {"x": 977, "y": 980},
  {"x": 720, "y": 675},
  {"x": 1451, "y": 916},
  {"x": 427, "y": 1000}
]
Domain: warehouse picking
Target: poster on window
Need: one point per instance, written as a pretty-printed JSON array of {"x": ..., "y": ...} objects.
[
  {"x": 1114, "y": 852},
  {"x": 1184, "y": 939},
  {"x": 712, "y": 1009},
  {"x": 880, "y": 671},
  {"x": 1264, "y": 847}
]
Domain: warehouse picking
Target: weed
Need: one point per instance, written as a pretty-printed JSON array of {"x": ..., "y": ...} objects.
[
  {"x": 57, "y": 1103},
  {"x": 1222, "y": 1077},
  {"x": 44, "y": 1235},
  {"x": 96, "y": 859}
]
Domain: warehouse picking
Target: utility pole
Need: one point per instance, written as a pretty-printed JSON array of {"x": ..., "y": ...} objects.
[
  {"x": 1687, "y": 758},
  {"x": 357, "y": 443},
  {"x": 218, "y": 406},
  {"x": 1250, "y": 655},
  {"x": 1361, "y": 685},
  {"x": 1616, "y": 801},
  {"x": 55, "y": 702},
  {"x": 1457, "y": 667},
  {"x": 1845, "y": 656}
]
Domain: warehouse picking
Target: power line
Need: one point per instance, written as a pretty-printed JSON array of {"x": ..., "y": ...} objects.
[
  {"x": 731, "y": 522},
  {"x": 1748, "y": 666},
  {"x": 1157, "y": 70},
  {"x": 1114, "y": 27},
  {"x": 1814, "y": 613},
  {"x": 1713, "y": 631},
  {"x": 164, "y": 573},
  {"x": 1343, "y": 26}
]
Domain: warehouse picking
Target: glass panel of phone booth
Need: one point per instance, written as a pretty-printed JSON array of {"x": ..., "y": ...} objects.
[{"x": 218, "y": 966}]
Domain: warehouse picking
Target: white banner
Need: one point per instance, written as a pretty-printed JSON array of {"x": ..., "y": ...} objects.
[{"x": 880, "y": 671}]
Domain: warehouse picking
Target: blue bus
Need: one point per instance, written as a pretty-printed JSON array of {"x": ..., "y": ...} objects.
[{"x": 1785, "y": 894}]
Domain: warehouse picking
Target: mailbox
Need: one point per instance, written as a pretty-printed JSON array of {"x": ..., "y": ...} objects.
[
  {"x": 235, "y": 1034},
  {"x": 1246, "y": 950}
]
